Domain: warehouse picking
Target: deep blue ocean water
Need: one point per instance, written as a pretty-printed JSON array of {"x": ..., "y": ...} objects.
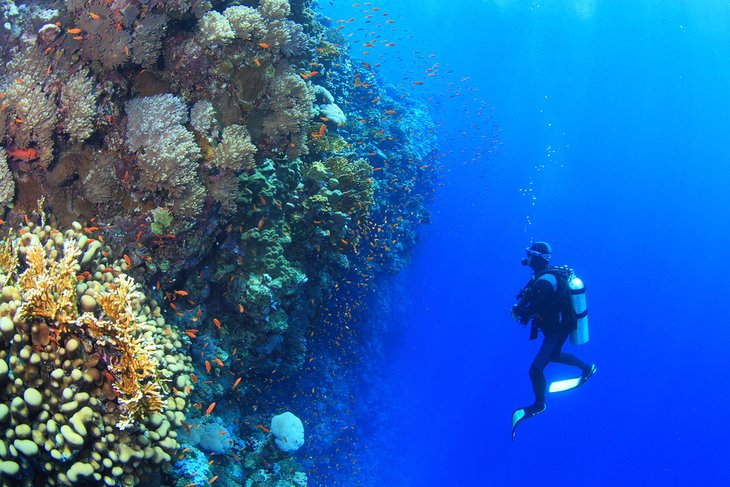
[{"x": 601, "y": 127}]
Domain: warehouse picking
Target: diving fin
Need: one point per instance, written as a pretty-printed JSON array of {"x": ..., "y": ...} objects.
[
  {"x": 522, "y": 414},
  {"x": 568, "y": 384}
]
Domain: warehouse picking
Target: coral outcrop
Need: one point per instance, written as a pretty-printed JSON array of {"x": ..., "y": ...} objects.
[{"x": 93, "y": 382}]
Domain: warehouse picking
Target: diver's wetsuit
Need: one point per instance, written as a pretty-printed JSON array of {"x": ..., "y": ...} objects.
[{"x": 538, "y": 302}]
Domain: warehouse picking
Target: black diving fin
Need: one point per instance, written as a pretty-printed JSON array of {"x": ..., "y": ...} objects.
[{"x": 522, "y": 414}]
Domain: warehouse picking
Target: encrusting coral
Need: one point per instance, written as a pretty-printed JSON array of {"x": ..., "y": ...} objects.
[{"x": 93, "y": 382}]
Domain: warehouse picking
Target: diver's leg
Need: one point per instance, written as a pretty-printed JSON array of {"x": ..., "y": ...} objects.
[
  {"x": 561, "y": 357},
  {"x": 570, "y": 359},
  {"x": 537, "y": 375}
]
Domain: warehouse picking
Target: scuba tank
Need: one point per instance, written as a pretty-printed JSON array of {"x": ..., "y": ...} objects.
[{"x": 579, "y": 336}]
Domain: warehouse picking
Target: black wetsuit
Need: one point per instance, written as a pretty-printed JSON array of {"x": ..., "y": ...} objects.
[{"x": 541, "y": 301}]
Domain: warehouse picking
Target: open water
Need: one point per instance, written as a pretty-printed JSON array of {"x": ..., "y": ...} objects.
[{"x": 600, "y": 127}]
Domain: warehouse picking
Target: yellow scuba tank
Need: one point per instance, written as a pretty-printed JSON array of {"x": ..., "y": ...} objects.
[{"x": 578, "y": 297}]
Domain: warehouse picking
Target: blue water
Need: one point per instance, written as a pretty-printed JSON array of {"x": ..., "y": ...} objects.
[{"x": 610, "y": 127}]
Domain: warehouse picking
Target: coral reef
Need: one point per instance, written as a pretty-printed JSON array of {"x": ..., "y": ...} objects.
[
  {"x": 93, "y": 381},
  {"x": 252, "y": 175}
]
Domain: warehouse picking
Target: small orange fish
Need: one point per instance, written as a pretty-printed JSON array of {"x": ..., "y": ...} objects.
[
  {"x": 207, "y": 366},
  {"x": 238, "y": 381},
  {"x": 214, "y": 478},
  {"x": 257, "y": 62},
  {"x": 94, "y": 16},
  {"x": 261, "y": 222},
  {"x": 25, "y": 155},
  {"x": 181, "y": 293},
  {"x": 191, "y": 333},
  {"x": 73, "y": 31},
  {"x": 127, "y": 260},
  {"x": 264, "y": 45},
  {"x": 217, "y": 323},
  {"x": 390, "y": 112},
  {"x": 263, "y": 428},
  {"x": 241, "y": 309},
  {"x": 210, "y": 408},
  {"x": 219, "y": 362}
]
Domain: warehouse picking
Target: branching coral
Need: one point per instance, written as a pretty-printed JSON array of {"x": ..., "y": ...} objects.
[
  {"x": 8, "y": 261},
  {"x": 135, "y": 367},
  {"x": 48, "y": 287}
]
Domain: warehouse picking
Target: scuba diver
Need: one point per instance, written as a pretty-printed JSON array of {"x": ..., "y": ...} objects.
[{"x": 554, "y": 300}]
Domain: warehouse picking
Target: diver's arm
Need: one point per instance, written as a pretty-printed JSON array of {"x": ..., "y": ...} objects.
[{"x": 533, "y": 302}]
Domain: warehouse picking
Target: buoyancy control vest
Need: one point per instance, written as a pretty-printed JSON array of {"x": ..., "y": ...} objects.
[{"x": 570, "y": 299}]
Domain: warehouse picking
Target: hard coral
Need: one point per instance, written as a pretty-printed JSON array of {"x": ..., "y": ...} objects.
[{"x": 84, "y": 364}]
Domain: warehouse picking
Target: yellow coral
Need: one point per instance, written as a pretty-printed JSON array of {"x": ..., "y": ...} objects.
[
  {"x": 8, "y": 261},
  {"x": 48, "y": 289},
  {"x": 135, "y": 368},
  {"x": 48, "y": 286}
]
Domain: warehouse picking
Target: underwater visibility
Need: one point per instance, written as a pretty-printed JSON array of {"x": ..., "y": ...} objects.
[{"x": 291, "y": 243}]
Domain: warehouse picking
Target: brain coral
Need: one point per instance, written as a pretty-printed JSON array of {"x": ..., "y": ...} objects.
[{"x": 87, "y": 365}]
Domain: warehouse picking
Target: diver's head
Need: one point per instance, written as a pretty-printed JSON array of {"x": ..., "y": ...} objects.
[{"x": 538, "y": 256}]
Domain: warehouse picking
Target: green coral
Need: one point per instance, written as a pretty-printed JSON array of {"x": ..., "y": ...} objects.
[{"x": 161, "y": 221}]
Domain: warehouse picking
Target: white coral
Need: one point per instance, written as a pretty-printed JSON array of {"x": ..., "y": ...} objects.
[
  {"x": 7, "y": 183},
  {"x": 245, "y": 21},
  {"x": 149, "y": 118},
  {"x": 215, "y": 29},
  {"x": 236, "y": 151},
  {"x": 168, "y": 153},
  {"x": 203, "y": 119},
  {"x": 78, "y": 105},
  {"x": 275, "y": 9},
  {"x": 291, "y": 108}
]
